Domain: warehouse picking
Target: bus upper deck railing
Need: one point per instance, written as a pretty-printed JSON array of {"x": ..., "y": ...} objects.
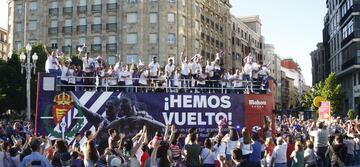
[{"x": 257, "y": 86}]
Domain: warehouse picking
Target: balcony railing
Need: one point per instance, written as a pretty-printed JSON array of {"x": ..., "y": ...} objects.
[
  {"x": 109, "y": 83},
  {"x": 111, "y": 47},
  {"x": 81, "y": 9},
  {"x": 96, "y": 28}
]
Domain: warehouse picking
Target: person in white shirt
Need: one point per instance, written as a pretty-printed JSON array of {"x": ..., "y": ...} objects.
[
  {"x": 169, "y": 73},
  {"x": 128, "y": 79},
  {"x": 118, "y": 64},
  {"x": 185, "y": 73},
  {"x": 207, "y": 155},
  {"x": 201, "y": 80},
  {"x": 71, "y": 78},
  {"x": 195, "y": 71},
  {"x": 52, "y": 63},
  {"x": 177, "y": 77},
  {"x": 111, "y": 78},
  {"x": 226, "y": 78},
  {"x": 87, "y": 69},
  {"x": 209, "y": 69},
  {"x": 237, "y": 81},
  {"x": 154, "y": 68},
  {"x": 143, "y": 80},
  {"x": 279, "y": 153},
  {"x": 64, "y": 75},
  {"x": 121, "y": 75},
  {"x": 263, "y": 76}
]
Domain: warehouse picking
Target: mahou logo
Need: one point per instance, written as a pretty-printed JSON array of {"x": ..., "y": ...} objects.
[{"x": 257, "y": 103}]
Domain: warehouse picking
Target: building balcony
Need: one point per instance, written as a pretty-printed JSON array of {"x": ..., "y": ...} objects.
[
  {"x": 54, "y": 12},
  {"x": 111, "y": 47},
  {"x": 353, "y": 61},
  {"x": 96, "y": 8},
  {"x": 111, "y": 7},
  {"x": 96, "y": 28},
  {"x": 354, "y": 8},
  {"x": 68, "y": 11},
  {"x": 81, "y": 10},
  {"x": 53, "y": 31},
  {"x": 81, "y": 29},
  {"x": 111, "y": 27},
  {"x": 96, "y": 48}
]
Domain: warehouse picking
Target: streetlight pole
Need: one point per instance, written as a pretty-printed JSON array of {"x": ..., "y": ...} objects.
[{"x": 28, "y": 66}]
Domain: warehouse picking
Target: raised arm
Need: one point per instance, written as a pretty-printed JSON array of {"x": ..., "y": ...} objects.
[
  {"x": 45, "y": 50},
  {"x": 92, "y": 117}
]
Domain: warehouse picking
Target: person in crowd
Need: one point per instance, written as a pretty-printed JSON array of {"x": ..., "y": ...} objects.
[
  {"x": 52, "y": 63},
  {"x": 64, "y": 67},
  {"x": 321, "y": 140},
  {"x": 279, "y": 153},
  {"x": 185, "y": 74},
  {"x": 257, "y": 147},
  {"x": 209, "y": 69},
  {"x": 237, "y": 81},
  {"x": 246, "y": 143},
  {"x": 87, "y": 69},
  {"x": 337, "y": 152},
  {"x": 309, "y": 155},
  {"x": 297, "y": 155},
  {"x": 207, "y": 155},
  {"x": 91, "y": 155},
  {"x": 35, "y": 158},
  {"x": 61, "y": 156},
  {"x": 201, "y": 81},
  {"x": 195, "y": 71},
  {"x": 192, "y": 152},
  {"x": 154, "y": 68},
  {"x": 169, "y": 73},
  {"x": 290, "y": 148},
  {"x": 75, "y": 160}
]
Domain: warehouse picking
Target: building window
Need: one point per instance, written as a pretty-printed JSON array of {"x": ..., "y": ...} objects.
[
  {"x": 18, "y": 45},
  {"x": 132, "y": 1},
  {"x": 33, "y": 6},
  {"x": 171, "y": 38},
  {"x": 152, "y": 0},
  {"x": 153, "y": 18},
  {"x": 53, "y": 11},
  {"x": 18, "y": 27},
  {"x": 82, "y": 9},
  {"x": 68, "y": 22},
  {"x": 171, "y": 17},
  {"x": 131, "y": 17},
  {"x": 348, "y": 29},
  {"x": 112, "y": 39},
  {"x": 153, "y": 38},
  {"x": 96, "y": 8},
  {"x": 131, "y": 59},
  {"x": 131, "y": 38},
  {"x": 32, "y": 25},
  {"x": 172, "y": 1},
  {"x": 19, "y": 9},
  {"x": 82, "y": 2}
]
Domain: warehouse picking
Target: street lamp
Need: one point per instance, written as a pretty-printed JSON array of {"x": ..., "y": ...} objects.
[{"x": 28, "y": 66}]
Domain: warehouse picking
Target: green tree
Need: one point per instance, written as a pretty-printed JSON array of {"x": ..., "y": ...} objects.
[
  {"x": 351, "y": 114},
  {"x": 13, "y": 83},
  {"x": 330, "y": 90}
]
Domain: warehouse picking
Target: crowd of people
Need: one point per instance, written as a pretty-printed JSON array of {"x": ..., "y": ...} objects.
[
  {"x": 190, "y": 76},
  {"x": 293, "y": 143}
]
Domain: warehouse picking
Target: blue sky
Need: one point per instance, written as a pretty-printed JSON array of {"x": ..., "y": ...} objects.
[{"x": 293, "y": 26}]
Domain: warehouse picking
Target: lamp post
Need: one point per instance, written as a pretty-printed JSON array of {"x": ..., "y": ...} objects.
[{"x": 28, "y": 66}]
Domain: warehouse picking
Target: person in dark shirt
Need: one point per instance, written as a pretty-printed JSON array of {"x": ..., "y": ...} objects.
[
  {"x": 337, "y": 152},
  {"x": 238, "y": 159}
]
